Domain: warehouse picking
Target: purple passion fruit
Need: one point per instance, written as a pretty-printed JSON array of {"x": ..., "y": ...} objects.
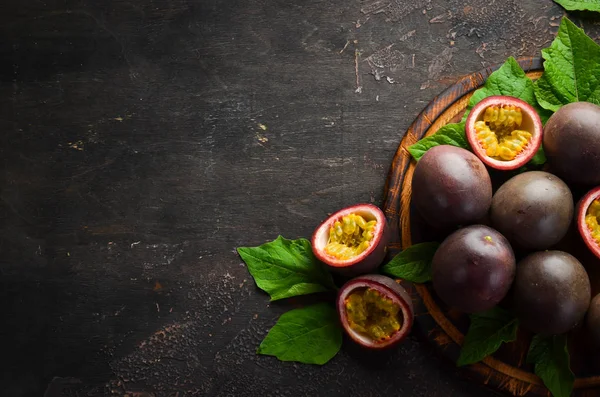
[
  {"x": 552, "y": 292},
  {"x": 572, "y": 143},
  {"x": 451, "y": 187},
  {"x": 375, "y": 311},
  {"x": 533, "y": 210},
  {"x": 473, "y": 269},
  {"x": 504, "y": 132},
  {"x": 588, "y": 220},
  {"x": 353, "y": 240},
  {"x": 592, "y": 321}
]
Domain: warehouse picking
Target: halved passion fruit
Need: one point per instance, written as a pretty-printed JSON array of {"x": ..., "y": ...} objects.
[
  {"x": 353, "y": 240},
  {"x": 375, "y": 311},
  {"x": 588, "y": 220},
  {"x": 504, "y": 132}
]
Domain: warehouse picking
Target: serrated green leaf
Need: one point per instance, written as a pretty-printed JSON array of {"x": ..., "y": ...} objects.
[
  {"x": 450, "y": 134},
  {"x": 310, "y": 335},
  {"x": 571, "y": 69},
  {"x": 284, "y": 268},
  {"x": 510, "y": 80},
  {"x": 487, "y": 332},
  {"x": 580, "y": 5},
  {"x": 550, "y": 357},
  {"x": 413, "y": 264}
]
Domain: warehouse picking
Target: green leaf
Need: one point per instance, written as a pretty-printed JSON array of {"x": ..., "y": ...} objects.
[
  {"x": 509, "y": 80},
  {"x": 550, "y": 356},
  {"x": 487, "y": 331},
  {"x": 413, "y": 264},
  {"x": 285, "y": 268},
  {"x": 580, "y": 5},
  {"x": 539, "y": 158},
  {"x": 310, "y": 335},
  {"x": 571, "y": 69},
  {"x": 450, "y": 134}
]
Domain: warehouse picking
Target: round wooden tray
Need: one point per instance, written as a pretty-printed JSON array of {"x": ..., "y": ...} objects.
[{"x": 505, "y": 370}]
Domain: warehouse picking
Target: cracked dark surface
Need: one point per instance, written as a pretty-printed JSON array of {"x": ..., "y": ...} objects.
[{"x": 142, "y": 142}]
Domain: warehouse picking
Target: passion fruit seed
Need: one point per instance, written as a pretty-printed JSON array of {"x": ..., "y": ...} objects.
[
  {"x": 350, "y": 237},
  {"x": 591, "y": 220},
  {"x": 372, "y": 314},
  {"x": 498, "y": 132}
]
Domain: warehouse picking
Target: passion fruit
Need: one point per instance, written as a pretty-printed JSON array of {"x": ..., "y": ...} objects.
[
  {"x": 572, "y": 143},
  {"x": 552, "y": 292},
  {"x": 353, "y": 240},
  {"x": 503, "y": 131},
  {"x": 473, "y": 268},
  {"x": 375, "y": 311},
  {"x": 588, "y": 220},
  {"x": 533, "y": 210},
  {"x": 451, "y": 187}
]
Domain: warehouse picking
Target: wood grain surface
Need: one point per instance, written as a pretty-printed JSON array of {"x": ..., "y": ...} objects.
[{"x": 142, "y": 142}]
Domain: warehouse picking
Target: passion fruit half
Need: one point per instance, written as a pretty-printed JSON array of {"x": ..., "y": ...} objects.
[
  {"x": 503, "y": 131},
  {"x": 588, "y": 220},
  {"x": 375, "y": 311},
  {"x": 353, "y": 240}
]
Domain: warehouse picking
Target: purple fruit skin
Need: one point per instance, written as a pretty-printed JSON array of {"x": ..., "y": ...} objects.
[
  {"x": 571, "y": 143},
  {"x": 552, "y": 292},
  {"x": 451, "y": 187},
  {"x": 471, "y": 273},
  {"x": 371, "y": 262},
  {"x": 533, "y": 210},
  {"x": 395, "y": 287}
]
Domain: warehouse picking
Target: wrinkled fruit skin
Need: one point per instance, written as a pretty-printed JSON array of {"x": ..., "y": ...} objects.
[
  {"x": 473, "y": 269},
  {"x": 552, "y": 292},
  {"x": 592, "y": 321},
  {"x": 533, "y": 210},
  {"x": 451, "y": 187},
  {"x": 382, "y": 283},
  {"x": 571, "y": 142}
]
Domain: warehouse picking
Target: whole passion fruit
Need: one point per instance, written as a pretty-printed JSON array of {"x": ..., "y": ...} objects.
[
  {"x": 533, "y": 210},
  {"x": 353, "y": 240},
  {"x": 504, "y": 132},
  {"x": 588, "y": 220},
  {"x": 473, "y": 269},
  {"x": 572, "y": 143},
  {"x": 552, "y": 292},
  {"x": 451, "y": 187},
  {"x": 375, "y": 311}
]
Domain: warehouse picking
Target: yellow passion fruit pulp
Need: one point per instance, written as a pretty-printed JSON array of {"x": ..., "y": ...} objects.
[
  {"x": 372, "y": 314},
  {"x": 350, "y": 236},
  {"x": 499, "y": 133}
]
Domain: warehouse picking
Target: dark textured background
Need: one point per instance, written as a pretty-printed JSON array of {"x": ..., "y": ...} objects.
[{"x": 143, "y": 141}]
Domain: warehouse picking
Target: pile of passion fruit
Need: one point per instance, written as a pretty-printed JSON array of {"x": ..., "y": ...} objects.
[{"x": 511, "y": 236}]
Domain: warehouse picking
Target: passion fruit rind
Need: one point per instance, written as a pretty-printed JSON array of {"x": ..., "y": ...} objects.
[
  {"x": 353, "y": 240},
  {"x": 379, "y": 319},
  {"x": 503, "y": 131},
  {"x": 588, "y": 219}
]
